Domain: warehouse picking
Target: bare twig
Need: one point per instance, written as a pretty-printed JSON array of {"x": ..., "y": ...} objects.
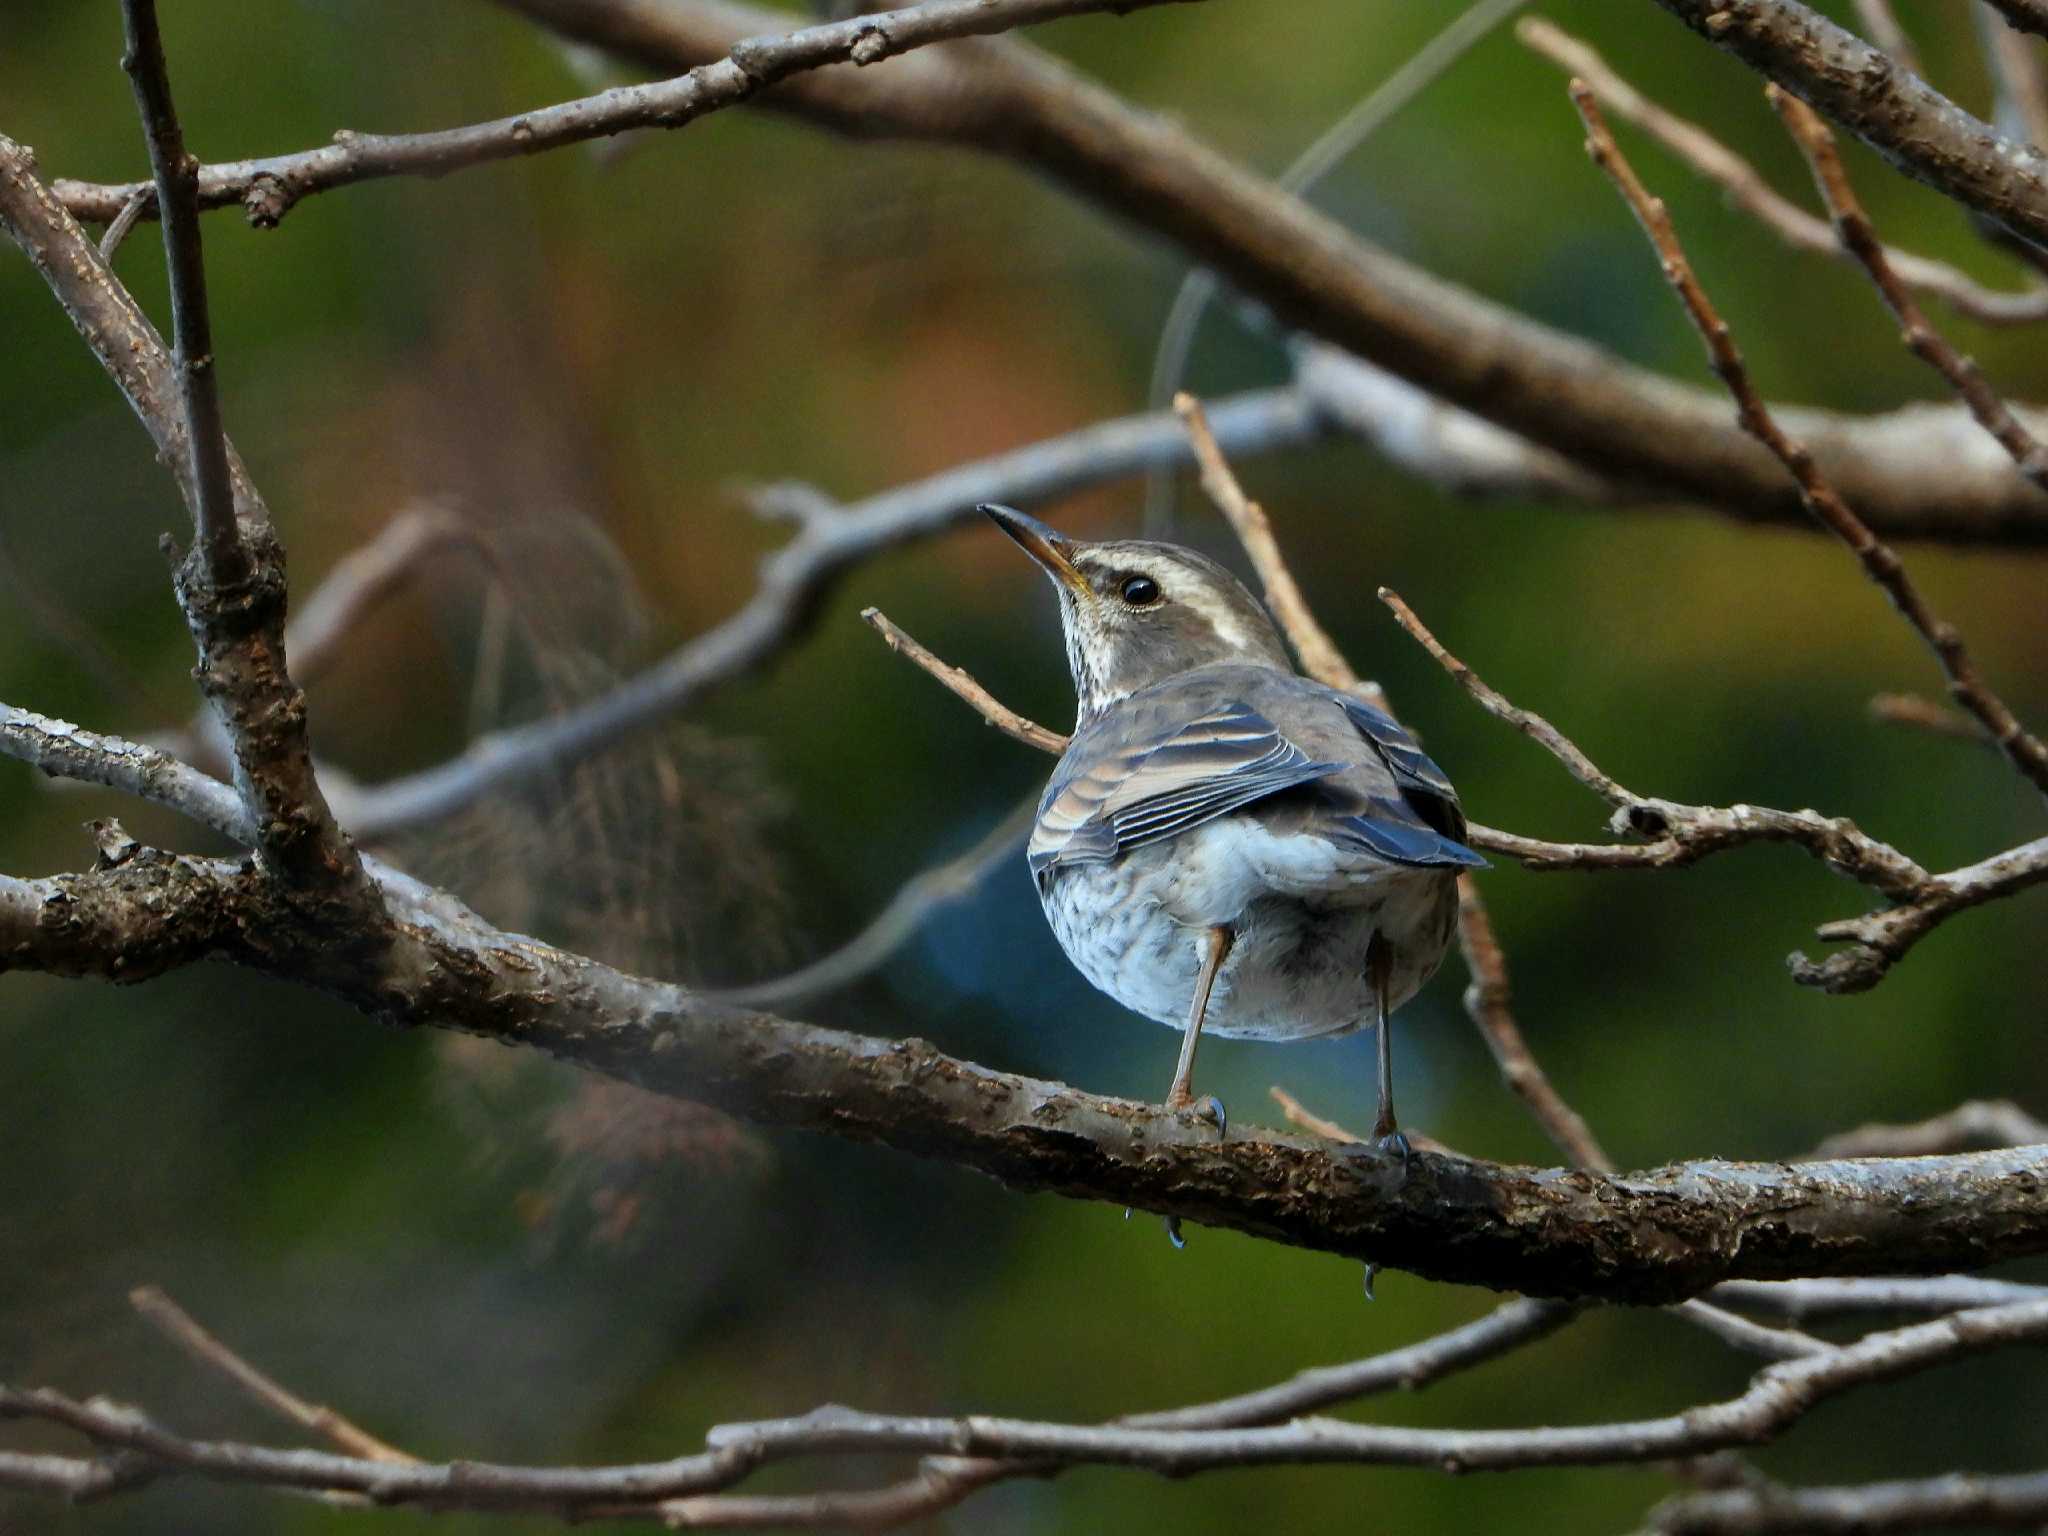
[
  {"x": 905, "y": 913},
  {"x": 268, "y": 188},
  {"x": 1683, "y": 834},
  {"x": 1924, "y": 714},
  {"x": 182, "y": 1329},
  {"x": 1317, "y": 652},
  {"x": 2026, "y": 752},
  {"x": 139, "y": 201},
  {"x": 1777, "y": 1398},
  {"x": 1979, "y": 1500},
  {"x": 1800, "y": 1300},
  {"x": 1979, "y": 1123},
  {"x": 1331, "y": 148},
  {"x": 828, "y": 541},
  {"x": 177, "y": 197},
  {"x": 1302, "y": 1117},
  {"x": 963, "y": 687},
  {"x": 1859, "y": 236},
  {"x": 1530, "y": 724},
  {"x": 1488, "y": 1001},
  {"x": 1747, "y": 189}
]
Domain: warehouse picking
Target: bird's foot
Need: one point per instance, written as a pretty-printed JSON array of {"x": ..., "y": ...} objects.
[
  {"x": 1387, "y": 1138},
  {"x": 1208, "y": 1107},
  {"x": 1172, "y": 1224}
]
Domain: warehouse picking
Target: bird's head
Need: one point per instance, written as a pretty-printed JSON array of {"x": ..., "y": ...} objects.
[{"x": 1137, "y": 612}]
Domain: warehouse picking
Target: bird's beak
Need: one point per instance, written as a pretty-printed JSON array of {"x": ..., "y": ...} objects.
[{"x": 1041, "y": 543}]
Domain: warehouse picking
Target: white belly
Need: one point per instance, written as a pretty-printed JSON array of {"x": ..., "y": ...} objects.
[{"x": 1301, "y": 918}]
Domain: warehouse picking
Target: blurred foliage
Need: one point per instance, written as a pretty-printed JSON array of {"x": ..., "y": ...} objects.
[{"x": 584, "y": 352}]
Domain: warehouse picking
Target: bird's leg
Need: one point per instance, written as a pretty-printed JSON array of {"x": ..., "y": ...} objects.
[
  {"x": 1386, "y": 1134},
  {"x": 1215, "y": 949}
]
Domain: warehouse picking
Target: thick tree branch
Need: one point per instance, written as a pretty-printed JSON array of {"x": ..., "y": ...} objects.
[
  {"x": 1898, "y": 114},
  {"x": 1621, "y": 423},
  {"x": 1658, "y": 1236}
]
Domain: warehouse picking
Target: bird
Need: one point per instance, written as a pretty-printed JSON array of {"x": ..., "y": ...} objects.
[{"x": 1227, "y": 845}]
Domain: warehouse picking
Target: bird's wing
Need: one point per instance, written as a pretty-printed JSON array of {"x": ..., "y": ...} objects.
[
  {"x": 1162, "y": 781},
  {"x": 1420, "y": 822}
]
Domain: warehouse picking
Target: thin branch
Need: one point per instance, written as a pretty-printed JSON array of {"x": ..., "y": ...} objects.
[
  {"x": 140, "y": 201},
  {"x": 1926, "y": 715},
  {"x": 182, "y": 1329},
  {"x": 1530, "y": 724},
  {"x": 269, "y": 187},
  {"x": 1683, "y": 834},
  {"x": 1978, "y": 1123},
  {"x": 1981, "y": 1500},
  {"x": 2026, "y": 752},
  {"x": 1747, "y": 190},
  {"x": 1859, "y": 237},
  {"x": 1776, "y": 1399},
  {"x": 177, "y": 199},
  {"x": 1302, "y": 1117},
  {"x": 963, "y": 687},
  {"x": 905, "y": 914},
  {"x": 1488, "y": 1001},
  {"x": 1804, "y": 1300},
  {"x": 1317, "y": 652},
  {"x": 792, "y": 579},
  {"x": 1331, "y": 148}
]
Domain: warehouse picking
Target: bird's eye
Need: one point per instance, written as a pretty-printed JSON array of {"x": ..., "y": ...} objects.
[{"x": 1139, "y": 591}]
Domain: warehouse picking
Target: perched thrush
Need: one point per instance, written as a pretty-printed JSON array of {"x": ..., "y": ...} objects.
[{"x": 1226, "y": 844}]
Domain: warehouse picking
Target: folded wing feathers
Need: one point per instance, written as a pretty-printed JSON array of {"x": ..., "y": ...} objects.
[{"x": 1229, "y": 758}]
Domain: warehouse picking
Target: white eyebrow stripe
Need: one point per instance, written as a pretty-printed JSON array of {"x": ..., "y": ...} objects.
[{"x": 1219, "y": 615}]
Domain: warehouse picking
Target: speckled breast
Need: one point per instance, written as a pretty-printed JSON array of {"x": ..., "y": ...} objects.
[{"x": 1134, "y": 927}]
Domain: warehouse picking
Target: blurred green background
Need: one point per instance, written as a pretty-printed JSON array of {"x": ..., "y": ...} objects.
[{"x": 478, "y": 1255}]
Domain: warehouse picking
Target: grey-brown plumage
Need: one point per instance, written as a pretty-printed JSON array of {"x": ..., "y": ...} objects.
[{"x": 1226, "y": 844}]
